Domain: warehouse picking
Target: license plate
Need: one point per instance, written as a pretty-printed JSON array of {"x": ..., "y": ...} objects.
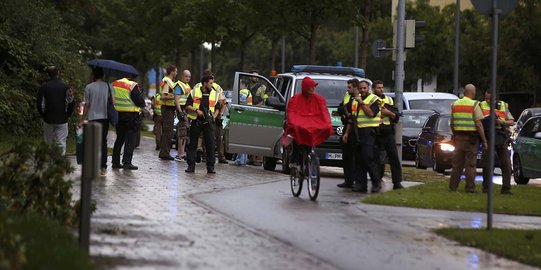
[{"x": 333, "y": 155}]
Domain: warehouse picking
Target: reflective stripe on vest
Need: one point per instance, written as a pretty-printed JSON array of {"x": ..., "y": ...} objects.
[
  {"x": 186, "y": 89},
  {"x": 171, "y": 85},
  {"x": 462, "y": 112},
  {"x": 122, "y": 99},
  {"x": 385, "y": 120},
  {"x": 363, "y": 121},
  {"x": 500, "y": 112},
  {"x": 197, "y": 95},
  {"x": 158, "y": 106},
  {"x": 245, "y": 92}
]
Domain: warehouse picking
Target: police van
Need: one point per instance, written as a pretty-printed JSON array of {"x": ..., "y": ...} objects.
[{"x": 257, "y": 128}]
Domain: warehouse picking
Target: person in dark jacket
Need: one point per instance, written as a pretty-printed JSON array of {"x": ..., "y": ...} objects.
[{"x": 55, "y": 104}]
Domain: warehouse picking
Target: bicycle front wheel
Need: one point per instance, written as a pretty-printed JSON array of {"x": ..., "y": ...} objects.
[
  {"x": 313, "y": 175},
  {"x": 296, "y": 183}
]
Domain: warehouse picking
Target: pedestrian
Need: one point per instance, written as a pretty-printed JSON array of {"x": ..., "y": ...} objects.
[
  {"x": 168, "y": 112},
  {"x": 128, "y": 100},
  {"x": 181, "y": 96},
  {"x": 386, "y": 139},
  {"x": 365, "y": 110},
  {"x": 201, "y": 107},
  {"x": 348, "y": 148},
  {"x": 96, "y": 97},
  {"x": 55, "y": 104},
  {"x": 467, "y": 130},
  {"x": 503, "y": 120},
  {"x": 157, "y": 118},
  {"x": 245, "y": 98}
]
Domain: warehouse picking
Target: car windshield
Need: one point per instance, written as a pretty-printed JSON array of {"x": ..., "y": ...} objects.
[
  {"x": 416, "y": 120},
  {"x": 332, "y": 90},
  {"x": 439, "y": 105},
  {"x": 444, "y": 124}
]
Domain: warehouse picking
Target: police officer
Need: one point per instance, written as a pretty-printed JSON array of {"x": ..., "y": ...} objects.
[
  {"x": 504, "y": 119},
  {"x": 128, "y": 99},
  {"x": 158, "y": 119},
  {"x": 386, "y": 138},
  {"x": 181, "y": 95},
  {"x": 348, "y": 148},
  {"x": 467, "y": 129},
  {"x": 365, "y": 110},
  {"x": 201, "y": 106},
  {"x": 168, "y": 112}
]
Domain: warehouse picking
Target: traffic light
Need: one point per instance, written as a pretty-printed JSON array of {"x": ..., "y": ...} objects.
[{"x": 413, "y": 37}]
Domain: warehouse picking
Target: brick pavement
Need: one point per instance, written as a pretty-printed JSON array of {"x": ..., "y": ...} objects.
[{"x": 146, "y": 220}]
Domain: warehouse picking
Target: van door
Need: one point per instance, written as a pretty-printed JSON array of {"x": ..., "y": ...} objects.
[{"x": 255, "y": 127}]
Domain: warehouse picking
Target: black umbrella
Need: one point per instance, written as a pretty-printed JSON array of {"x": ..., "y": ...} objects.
[{"x": 114, "y": 68}]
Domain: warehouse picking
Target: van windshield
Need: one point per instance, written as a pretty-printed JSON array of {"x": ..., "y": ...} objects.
[
  {"x": 442, "y": 106},
  {"x": 332, "y": 90}
]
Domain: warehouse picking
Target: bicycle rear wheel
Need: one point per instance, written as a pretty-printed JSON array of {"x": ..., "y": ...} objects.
[
  {"x": 296, "y": 183},
  {"x": 313, "y": 175}
]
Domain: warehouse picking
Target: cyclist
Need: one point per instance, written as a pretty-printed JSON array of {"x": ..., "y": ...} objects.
[{"x": 307, "y": 120}]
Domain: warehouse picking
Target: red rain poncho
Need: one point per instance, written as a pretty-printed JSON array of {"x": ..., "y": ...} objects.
[{"x": 308, "y": 119}]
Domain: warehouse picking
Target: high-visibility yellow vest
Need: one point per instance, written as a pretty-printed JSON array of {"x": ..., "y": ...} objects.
[
  {"x": 363, "y": 121},
  {"x": 385, "y": 120},
  {"x": 347, "y": 96},
  {"x": 186, "y": 89},
  {"x": 122, "y": 99},
  {"x": 197, "y": 95},
  {"x": 500, "y": 111},
  {"x": 158, "y": 105},
  {"x": 248, "y": 95},
  {"x": 462, "y": 112},
  {"x": 216, "y": 87},
  {"x": 171, "y": 84}
]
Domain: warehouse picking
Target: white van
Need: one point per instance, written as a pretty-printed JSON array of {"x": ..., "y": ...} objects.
[{"x": 439, "y": 102}]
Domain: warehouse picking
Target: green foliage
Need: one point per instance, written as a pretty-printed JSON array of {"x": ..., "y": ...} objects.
[
  {"x": 12, "y": 247},
  {"x": 514, "y": 244},
  {"x": 17, "y": 110},
  {"x": 32, "y": 179}
]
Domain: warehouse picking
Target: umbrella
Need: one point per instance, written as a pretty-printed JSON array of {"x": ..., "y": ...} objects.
[{"x": 114, "y": 68}]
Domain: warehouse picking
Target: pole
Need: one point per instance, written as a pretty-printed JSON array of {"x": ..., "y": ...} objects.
[
  {"x": 283, "y": 54},
  {"x": 399, "y": 71},
  {"x": 91, "y": 166},
  {"x": 201, "y": 60},
  {"x": 457, "y": 47},
  {"x": 356, "y": 46},
  {"x": 494, "y": 70}
]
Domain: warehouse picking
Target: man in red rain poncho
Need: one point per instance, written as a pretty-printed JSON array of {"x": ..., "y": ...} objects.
[{"x": 307, "y": 119}]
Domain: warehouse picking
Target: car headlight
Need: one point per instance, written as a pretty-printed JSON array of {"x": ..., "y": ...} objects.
[{"x": 447, "y": 147}]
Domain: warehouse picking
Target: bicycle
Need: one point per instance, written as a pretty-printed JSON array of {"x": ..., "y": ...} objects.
[{"x": 309, "y": 170}]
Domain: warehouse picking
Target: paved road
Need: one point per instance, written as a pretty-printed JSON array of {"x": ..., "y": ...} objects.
[{"x": 245, "y": 218}]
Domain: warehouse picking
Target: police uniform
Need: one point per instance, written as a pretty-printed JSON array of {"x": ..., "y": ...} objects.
[
  {"x": 465, "y": 112},
  {"x": 500, "y": 143},
  {"x": 204, "y": 102},
  {"x": 158, "y": 119},
  {"x": 128, "y": 99},
  {"x": 348, "y": 148},
  {"x": 387, "y": 145},
  {"x": 168, "y": 114}
]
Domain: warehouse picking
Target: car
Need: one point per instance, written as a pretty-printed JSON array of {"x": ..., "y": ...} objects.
[
  {"x": 412, "y": 125},
  {"x": 524, "y": 116},
  {"x": 527, "y": 151},
  {"x": 258, "y": 129},
  {"x": 437, "y": 101},
  {"x": 434, "y": 146}
]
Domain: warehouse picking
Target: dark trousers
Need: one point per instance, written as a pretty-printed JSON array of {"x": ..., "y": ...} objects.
[
  {"x": 208, "y": 137},
  {"x": 168, "y": 115},
  {"x": 158, "y": 123},
  {"x": 505, "y": 164},
  {"x": 387, "y": 144},
  {"x": 348, "y": 158},
  {"x": 366, "y": 160},
  {"x": 126, "y": 130},
  {"x": 104, "y": 130},
  {"x": 218, "y": 134},
  {"x": 465, "y": 159}
]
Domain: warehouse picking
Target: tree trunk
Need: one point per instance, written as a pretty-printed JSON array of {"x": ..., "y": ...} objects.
[
  {"x": 313, "y": 39},
  {"x": 364, "y": 40},
  {"x": 157, "y": 79},
  {"x": 212, "y": 56},
  {"x": 274, "y": 49},
  {"x": 193, "y": 63},
  {"x": 242, "y": 53}
]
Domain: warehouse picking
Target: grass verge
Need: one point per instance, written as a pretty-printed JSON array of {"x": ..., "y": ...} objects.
[{"x": 514, "y": 244}]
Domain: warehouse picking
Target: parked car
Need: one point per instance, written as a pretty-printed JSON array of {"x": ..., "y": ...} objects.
[
  {"x": 412, "y": 125},
  {"x": 257, "y": 129},
  {"x": 524, "y": 116},
  {"x": 434, "y": 146},
  {"x": 437, "y": 101},
  {"x": 527, "y": 151}
]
